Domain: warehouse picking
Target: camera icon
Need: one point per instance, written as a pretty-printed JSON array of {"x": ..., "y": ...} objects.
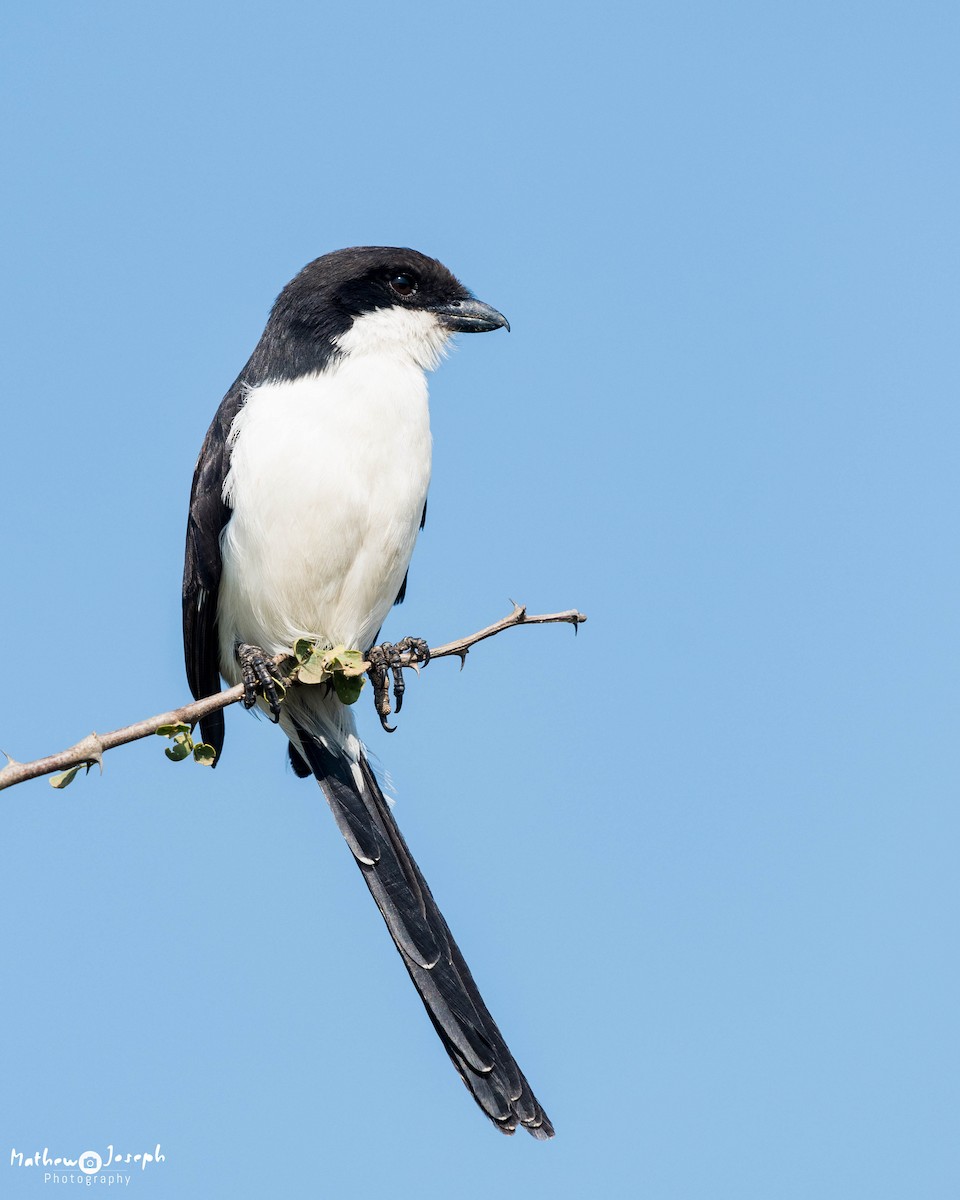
[{"x": 90, "y": 1162}]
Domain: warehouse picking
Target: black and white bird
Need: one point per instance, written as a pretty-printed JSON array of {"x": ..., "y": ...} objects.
[{"x": 307, "y": 498}]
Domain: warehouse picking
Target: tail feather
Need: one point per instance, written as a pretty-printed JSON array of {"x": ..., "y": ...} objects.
[
  {"x": 434, "y": 962},
  {"x": 402, "y": 908}
]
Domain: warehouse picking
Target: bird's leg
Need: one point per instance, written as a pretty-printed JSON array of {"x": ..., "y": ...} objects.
[
  {"x": 259, "y": 675},
  {"x": 377, "y": 658},
  {"x": 387, "y": 658}
]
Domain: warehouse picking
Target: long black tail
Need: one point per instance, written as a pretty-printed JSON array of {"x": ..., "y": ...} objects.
[{"x": 443, "y": 980}]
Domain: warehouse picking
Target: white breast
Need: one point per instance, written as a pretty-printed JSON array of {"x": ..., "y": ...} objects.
[{"x": 327, "y": 482}]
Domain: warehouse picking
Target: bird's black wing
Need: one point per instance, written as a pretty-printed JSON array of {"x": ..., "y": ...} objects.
[
  {"x": 469, "y": 1033},
  {"x": 401, "y": 595},
  {"x": 201, "y": 568}
]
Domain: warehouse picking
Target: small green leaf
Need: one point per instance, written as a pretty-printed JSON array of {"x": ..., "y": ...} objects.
[
  {"x": 303, "y": 650},
  {"x": 172, "y": 731},
  {"x": 352, "y": 663},
  {"x": 67, "y": 777},
  {"x": 179, "y": 751},
  {"x": 204, "y": 754},
  {"x": 347, "y": 687},
  {"x": 313, "y": 672},
  {"x": 315, "y": 667}
]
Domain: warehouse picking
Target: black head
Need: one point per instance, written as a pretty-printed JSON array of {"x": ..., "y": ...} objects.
[{"x": 317, "y": 309}]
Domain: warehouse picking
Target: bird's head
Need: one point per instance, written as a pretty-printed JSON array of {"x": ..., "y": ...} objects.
[{"x": 383, "y": 300}]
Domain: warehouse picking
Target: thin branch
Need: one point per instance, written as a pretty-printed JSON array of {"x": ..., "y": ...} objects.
[
  {"x": 91, "y": 749},
  {"x": 517, "y": 617}
]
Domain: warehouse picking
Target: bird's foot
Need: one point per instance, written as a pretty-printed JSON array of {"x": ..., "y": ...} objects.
[
  {"x": 260, "y": 675},
  {"x": 388, "y": 659}
]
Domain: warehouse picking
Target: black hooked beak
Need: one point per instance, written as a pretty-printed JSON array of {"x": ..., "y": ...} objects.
[{"x": 470, "y": 316}]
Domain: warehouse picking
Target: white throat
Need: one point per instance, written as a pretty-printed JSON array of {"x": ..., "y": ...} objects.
[{"x": 396, "y": 333}]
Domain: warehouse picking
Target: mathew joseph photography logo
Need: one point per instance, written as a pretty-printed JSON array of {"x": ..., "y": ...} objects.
[{"x": 89, "y": 1167}]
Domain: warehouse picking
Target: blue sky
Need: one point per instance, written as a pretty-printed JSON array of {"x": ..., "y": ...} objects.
[{"x": 702, "y": 859}]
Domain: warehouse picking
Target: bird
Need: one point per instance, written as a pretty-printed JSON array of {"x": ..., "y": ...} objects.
[{"x": 308, "y": 495}]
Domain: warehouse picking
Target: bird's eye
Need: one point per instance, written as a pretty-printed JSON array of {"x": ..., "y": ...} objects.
[{"x": 403, "y": 284}]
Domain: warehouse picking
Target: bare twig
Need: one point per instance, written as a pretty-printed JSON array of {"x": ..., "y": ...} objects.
[
  {"x": 517, "y": 617},
  {"x": 91, "y": 749}
]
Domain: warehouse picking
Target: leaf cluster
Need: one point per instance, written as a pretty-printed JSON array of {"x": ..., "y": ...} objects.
[
  {"x": 184, "y": 746},
  {"x": 344, "y": 669}
]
